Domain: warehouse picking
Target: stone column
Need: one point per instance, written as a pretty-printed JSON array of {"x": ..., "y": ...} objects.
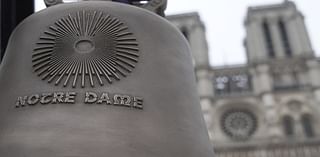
[
  {"x": 255, "y": 81},
  {"x": 205, "y": 89},
  {"x": 272, "y": 119},
  {"x": 199, "y": 47},
  {"x": 304, "y": 35},
  {"x": 294, "y": 37},
  {"x": 205, "y": 84},
  {"x": 198, "y": 44},
  {"x": 298, "y": 35},
  {"x": 314, "y": 75},
  {"x": 255, "y": 41},
  {"x": 276, "y": 38},
  {"x": 262, "y": 82},
  {"x": 206, "y": 106},
  {"x": 265, "y": 83},
  {"x": 264, "y": 79}
]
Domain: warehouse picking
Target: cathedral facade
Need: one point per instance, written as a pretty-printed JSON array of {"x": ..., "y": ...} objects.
[{"x": 269, "y": 107}]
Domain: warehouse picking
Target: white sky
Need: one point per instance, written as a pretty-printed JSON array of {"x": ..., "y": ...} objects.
[{"x": 224, "y": 24}]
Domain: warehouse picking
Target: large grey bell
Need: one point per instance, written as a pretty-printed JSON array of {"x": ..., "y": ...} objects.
[{"x": 98, "y": 79}]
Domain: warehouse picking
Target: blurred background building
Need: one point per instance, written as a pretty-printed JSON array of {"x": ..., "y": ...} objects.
[
  {"x": 268, "y": 107},
  {"x": 11, "y": 14}
]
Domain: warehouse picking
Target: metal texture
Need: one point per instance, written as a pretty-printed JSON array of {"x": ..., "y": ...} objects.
[
  {"x": 50, "y": 3},
  {"x": 156, "y": 6},
  {"x": 97, "y": 79}
]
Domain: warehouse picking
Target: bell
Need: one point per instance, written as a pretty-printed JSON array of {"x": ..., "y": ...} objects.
[{"x": 97, "y": 79}]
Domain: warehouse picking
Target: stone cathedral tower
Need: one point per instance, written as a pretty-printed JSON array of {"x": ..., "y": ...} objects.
[
  {"x": 269, "y": 107},
  {"x": 194, "y": 31}
]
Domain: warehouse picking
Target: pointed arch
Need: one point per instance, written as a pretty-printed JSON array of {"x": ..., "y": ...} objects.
[
  {"x": 288, "y": 125},
  {"x": 284, "y": 37},
  {"x": 268, "y": 38},
  {"x": 307, "y": 124}
]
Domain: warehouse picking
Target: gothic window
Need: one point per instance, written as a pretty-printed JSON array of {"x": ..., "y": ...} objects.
[
  {"x": 239, "y": 124},
  {"x": 285, "y": 38},
  {"x": 306, "y": 121},
  {"x": 268, "y": 39},
  {"x": 288, "y": 125}
]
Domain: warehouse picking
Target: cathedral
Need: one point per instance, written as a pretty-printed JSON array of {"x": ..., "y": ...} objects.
[{"x": 268, "y": 107}]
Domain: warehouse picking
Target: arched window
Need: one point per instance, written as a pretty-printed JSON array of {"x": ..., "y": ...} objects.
[
  {"x": 288, "y": 125},
  {"x": 306, "y": 121},
  {"x": 268, "y": 39},
  {"x": 285, "y": 38}
]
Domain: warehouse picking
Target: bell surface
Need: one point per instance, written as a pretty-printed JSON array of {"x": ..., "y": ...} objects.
[{"x": 97, "y": 79}]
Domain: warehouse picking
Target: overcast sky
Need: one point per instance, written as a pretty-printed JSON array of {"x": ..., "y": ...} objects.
[{"x": 224, "y": 24}]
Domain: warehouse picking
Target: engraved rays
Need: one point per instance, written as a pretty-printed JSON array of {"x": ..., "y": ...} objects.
[{"x": 86, "y": 47}]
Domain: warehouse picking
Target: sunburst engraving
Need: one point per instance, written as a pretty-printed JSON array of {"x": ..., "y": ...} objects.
[{"x": 87, "y": 47}]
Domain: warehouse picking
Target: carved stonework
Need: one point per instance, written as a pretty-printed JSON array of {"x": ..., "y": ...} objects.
[{"x": 239, "y": 124}]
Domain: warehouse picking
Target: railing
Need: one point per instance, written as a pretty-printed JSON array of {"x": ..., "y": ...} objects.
[
  {"x": 232, "y": 81},
  {"x": 287, "y": 88},
  {"x": 237, "y": 93}
]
